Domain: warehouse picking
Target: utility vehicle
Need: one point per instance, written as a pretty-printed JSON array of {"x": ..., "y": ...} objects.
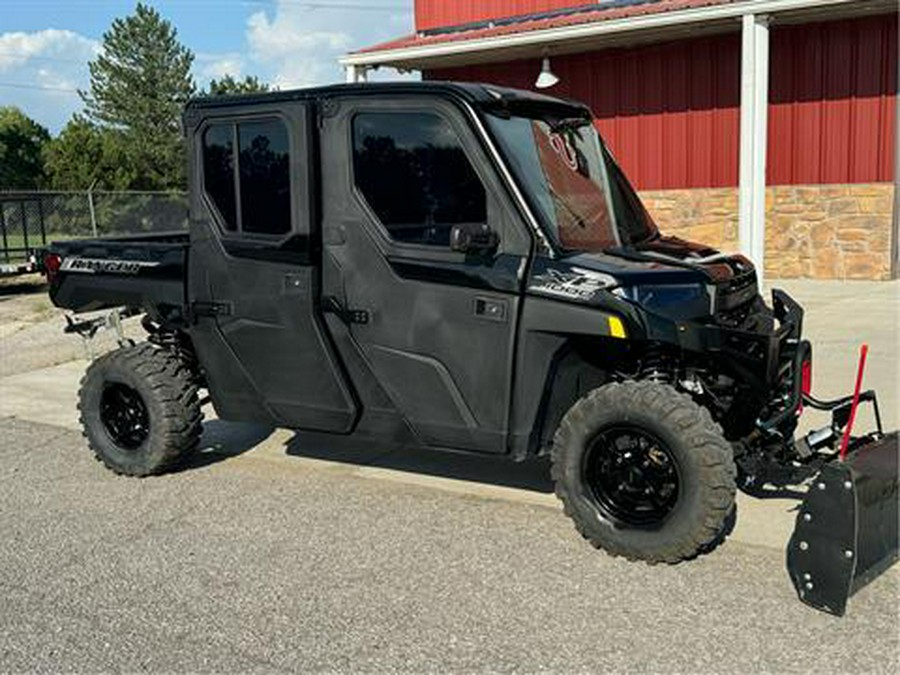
[{"x": 466, "y": 267}]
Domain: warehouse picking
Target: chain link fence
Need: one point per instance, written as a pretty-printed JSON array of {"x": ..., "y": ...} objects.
[{"x": 30, "y": 220}]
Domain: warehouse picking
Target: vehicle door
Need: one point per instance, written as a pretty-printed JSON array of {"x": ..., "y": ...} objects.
[
  {"x": 253, "y": 284},
  {"x": 435, "y": 326}
]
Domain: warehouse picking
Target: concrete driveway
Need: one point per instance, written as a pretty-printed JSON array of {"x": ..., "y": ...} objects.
[{"x": 278, "y": 551}]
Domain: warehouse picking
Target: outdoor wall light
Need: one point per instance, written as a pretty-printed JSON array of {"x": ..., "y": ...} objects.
[{"x": 547, "y": 78}]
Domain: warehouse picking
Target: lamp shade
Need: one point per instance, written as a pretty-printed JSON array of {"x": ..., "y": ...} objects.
[{"x": 546, "y": 78}]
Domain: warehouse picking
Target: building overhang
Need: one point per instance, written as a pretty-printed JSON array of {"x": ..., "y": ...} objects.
[{"x": 671, "y": 21}]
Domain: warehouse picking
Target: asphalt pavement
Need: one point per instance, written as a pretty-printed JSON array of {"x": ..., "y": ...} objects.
[{"x": 250, "y": 561}]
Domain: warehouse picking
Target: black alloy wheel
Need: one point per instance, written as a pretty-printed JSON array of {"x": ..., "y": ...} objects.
[
  {"x": 632, "y": 477},
  {"x": 124, "y": 415},
  {"x": 644, "y": 472}
]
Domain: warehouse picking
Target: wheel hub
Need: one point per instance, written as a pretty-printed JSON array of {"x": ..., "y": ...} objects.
[
  {"x": 632, "y": 477},
  {"x": 124, "y": 415}
]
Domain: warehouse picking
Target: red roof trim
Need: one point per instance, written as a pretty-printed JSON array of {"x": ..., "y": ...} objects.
[{"x": 529, "y": 25}]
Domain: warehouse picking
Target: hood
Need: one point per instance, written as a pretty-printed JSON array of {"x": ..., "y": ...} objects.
[{"x": 668, "y": 276}]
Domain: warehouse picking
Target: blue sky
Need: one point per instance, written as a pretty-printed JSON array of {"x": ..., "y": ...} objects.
[{"x": 45, "y": 44}]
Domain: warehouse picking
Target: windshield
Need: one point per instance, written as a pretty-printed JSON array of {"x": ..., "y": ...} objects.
[{"x": 584, "y": 201}]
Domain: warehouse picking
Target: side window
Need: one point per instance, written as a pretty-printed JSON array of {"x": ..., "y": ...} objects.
[
  {"x": 218, "y": 171},
  {"x": 251, "y": 189},
  {"x": 415, "y": 176}
]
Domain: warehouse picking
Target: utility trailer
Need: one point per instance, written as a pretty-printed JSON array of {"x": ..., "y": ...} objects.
[
  {"x": 466, "y": 267},
  {"x": 22, "y": 233}
]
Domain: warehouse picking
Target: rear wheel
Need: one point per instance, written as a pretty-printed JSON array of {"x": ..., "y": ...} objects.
[
  {"x": 644, "y": 472},
  {"x": 140, "y": 410}
]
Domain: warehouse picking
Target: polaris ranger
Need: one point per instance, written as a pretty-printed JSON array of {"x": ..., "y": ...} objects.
[{"x": 466, "y": 267}]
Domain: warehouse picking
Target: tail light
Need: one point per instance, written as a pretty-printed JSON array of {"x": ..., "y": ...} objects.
[{"x": 52, "y": 263}]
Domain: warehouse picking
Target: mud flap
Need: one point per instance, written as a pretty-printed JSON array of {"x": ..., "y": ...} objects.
[{"x": 847, "y": 528}]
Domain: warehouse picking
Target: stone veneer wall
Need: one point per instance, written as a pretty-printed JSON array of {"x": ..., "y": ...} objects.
[{"x": 816, "y": 231}]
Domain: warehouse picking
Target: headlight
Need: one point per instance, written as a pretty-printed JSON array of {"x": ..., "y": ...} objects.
[{"x": 688, "y": 300}]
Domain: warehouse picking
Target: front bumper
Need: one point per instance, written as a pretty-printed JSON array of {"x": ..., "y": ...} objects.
[
  {"x": 787, "y": 352},
  {"x": 764, "y": 352}
]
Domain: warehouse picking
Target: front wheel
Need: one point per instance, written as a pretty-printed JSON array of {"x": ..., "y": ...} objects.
[{"x": 644, "y": 472}]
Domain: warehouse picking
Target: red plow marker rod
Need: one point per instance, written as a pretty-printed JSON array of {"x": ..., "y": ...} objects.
[{"x": 845, "y": 442}]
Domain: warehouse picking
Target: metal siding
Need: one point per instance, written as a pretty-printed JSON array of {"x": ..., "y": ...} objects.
[
  {"x": 671, "y": 112},
  {"x": 831, "y": 111},
  {"x": 432, "y": 14}
]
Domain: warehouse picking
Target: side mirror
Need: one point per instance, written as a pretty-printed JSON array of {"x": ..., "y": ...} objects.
[{"x": 473, "y": 238}]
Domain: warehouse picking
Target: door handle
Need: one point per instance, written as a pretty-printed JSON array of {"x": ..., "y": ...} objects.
[{"x": 492, "y": 309}]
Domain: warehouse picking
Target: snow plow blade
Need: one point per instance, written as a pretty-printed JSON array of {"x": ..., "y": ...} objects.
[{"x": 846, "y": 532}]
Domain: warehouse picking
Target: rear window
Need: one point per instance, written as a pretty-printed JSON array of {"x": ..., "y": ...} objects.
[{"x": 251, "y": 189}]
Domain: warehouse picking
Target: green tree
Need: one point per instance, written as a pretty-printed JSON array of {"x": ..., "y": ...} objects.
[
  {"x": 21, "y": 145},
  {"x": 86, "y": 154},
  {"x": 228, "y": 85},
  {"x": 139, "y": 84}
]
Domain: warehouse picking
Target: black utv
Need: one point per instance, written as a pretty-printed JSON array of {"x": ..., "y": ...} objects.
[{"x": 466, "y": 267}]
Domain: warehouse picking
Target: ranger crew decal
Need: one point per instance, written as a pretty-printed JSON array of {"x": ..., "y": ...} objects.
[{"x": 104, "y": 266}]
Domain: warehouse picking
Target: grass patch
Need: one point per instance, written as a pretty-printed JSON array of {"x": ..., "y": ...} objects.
[{"x": 15, "y": 244}]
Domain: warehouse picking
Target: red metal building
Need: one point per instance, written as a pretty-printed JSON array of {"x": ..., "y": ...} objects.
[{"x": 790, "y": 105}]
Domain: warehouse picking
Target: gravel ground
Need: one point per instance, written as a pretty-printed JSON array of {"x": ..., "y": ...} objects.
[
  {"x": 240, "y": 564},
  {"x": 31, "y": 329}
]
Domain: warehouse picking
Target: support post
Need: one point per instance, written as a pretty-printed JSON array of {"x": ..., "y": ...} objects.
[
  {"x": 3, "y": 230},
  {"x": 895, "y": 215},
  {"x": 754, "y": 120},
  {"x": 356, "y": 74},
  {"x": 40, "y": 207},
  {"x": 90, "y": 196},
  {"x": 25, "y": 247}
]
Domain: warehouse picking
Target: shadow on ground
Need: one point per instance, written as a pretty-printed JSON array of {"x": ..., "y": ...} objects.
[
  {"x": 531, "y": 475},
  {"x": 223, "y": 440},
  {"x": 25, "y": 285}
]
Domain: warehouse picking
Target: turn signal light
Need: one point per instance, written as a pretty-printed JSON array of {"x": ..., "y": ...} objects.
[{"x": 616, "y": 327}]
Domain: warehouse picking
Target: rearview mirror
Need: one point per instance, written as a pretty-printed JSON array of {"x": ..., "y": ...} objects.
[{"x": 473, "y": 238}]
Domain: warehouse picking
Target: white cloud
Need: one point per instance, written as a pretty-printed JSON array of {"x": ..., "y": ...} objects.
[
  {"x": 297, "y": 46},
  {"x": 19, "y": 48},
  {"x": 289, "y": 33},
  {"x": 45, "y": 68},
  {"x": 217, "y": 66},
  {"x": 294, "y": 44}
]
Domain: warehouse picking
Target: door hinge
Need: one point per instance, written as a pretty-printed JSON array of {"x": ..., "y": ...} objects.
[
  {"x": 331, "y": 305},
  {"x": 211, "y": 309}
]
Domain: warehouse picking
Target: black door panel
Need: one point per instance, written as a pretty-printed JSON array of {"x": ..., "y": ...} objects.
[
  {"x": 444, "y": 364},
  {"x": 271, "y": 344},
  {"x": 258, "y": 330}
]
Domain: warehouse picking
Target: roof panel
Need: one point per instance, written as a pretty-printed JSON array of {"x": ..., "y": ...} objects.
[{"x": 528, "y": 23}]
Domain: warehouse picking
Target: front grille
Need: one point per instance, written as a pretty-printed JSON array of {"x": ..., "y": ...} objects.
[{"x": 736, "y": 305}]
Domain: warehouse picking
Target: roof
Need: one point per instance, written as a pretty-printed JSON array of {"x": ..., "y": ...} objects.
[
  {"x": 592, "y": 27},
  {"x": 471, "y": 92},
  {"x": 533, "y": 22}
]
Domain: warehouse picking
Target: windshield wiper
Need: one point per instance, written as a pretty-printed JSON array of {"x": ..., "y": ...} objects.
[{"x": 567, "y": 124}]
